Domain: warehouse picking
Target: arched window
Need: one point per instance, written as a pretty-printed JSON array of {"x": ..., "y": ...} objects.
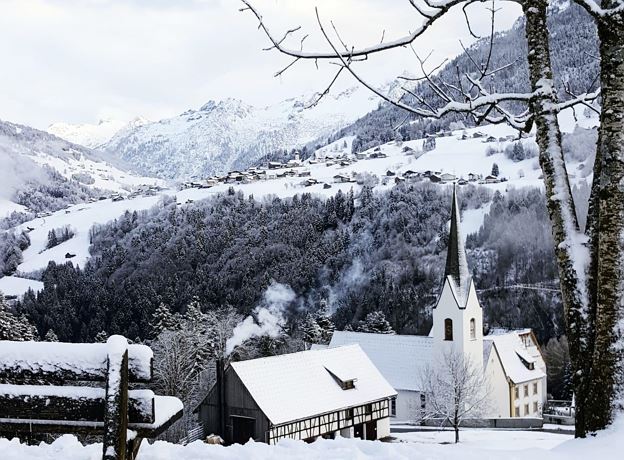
[
  {"x": 473, "y": 329},
  {"x": 448, "y": 329}
]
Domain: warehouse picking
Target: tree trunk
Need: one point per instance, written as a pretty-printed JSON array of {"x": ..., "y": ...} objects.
[
  {"x": 570, "y": 244},
  {"x": 605, "y": 383}
]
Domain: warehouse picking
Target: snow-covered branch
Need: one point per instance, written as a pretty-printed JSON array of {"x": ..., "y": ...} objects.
[{"x": 597, "y": 11}]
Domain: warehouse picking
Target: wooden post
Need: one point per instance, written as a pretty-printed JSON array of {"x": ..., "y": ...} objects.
[{"x": 116, "y": 403}]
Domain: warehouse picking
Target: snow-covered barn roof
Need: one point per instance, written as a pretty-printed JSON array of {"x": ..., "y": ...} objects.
[
  {"x": 400, "y": 358},
  {"x": 512, "y": 351},
  {"x": 298, "y": 385}
]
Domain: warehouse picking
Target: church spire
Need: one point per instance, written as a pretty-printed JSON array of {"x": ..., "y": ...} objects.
[{"x": 456, "y": 264}]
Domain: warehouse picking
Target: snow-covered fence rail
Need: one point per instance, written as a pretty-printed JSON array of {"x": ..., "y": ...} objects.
[{"x": 39, "y": 393}]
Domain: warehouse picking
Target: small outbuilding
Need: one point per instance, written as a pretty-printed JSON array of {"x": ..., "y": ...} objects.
[{"x": 305, "y": 395}]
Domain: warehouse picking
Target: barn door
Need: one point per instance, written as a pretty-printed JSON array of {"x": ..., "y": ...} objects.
[
  {"x": 243, "y": 428},
  {"x": 371, "y": 430}
]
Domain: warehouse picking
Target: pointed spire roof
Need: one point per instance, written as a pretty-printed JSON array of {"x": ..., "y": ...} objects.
[{"x": 456, "y": 263}]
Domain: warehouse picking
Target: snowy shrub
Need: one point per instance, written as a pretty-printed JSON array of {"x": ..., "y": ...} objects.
[{"x": 83, "y": 178}]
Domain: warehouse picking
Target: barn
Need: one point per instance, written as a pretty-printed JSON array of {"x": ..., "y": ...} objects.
[{"x": 305, "y": 395}]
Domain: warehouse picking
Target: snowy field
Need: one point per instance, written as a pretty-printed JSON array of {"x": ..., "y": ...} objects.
[{"x": 476, "y": 445}]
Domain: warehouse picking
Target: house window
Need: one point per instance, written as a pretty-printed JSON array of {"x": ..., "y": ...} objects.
[
  {"x": 534, "y": 388},
  {"x": 350, "y": 413},
  {"x": 473, "y": 329},
  {"x": 517, "y": 392},
  {"x": 423, "y": 401},
  {"x": 526, "y": 409},
  {"x": 393, "y": 407},
  {"x": 535, "y": 408},
  {"x": 526, "y": 390},
  {"x": 517, "y": 412},
  {"x": 448, "y": 329}
]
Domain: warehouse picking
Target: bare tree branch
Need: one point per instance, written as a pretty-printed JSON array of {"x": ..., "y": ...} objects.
[{"x": 441, "y": 8}]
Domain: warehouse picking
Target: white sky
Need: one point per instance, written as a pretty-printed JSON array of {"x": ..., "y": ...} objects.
[{"x": 82, "y": 60}]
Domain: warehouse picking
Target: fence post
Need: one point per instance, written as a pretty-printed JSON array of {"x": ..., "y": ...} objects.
[{"x": 116, "y": 402}]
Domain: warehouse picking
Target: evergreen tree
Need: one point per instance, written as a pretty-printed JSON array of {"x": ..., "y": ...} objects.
[
  {"x": 324, "y": 322},
  {"x": 310, "y": 329},
  {"x": 375, "y": 322},
  {"x": 52, "y": 239},
  {"x": 163, "y": 320},
  {"x": 14, "y": 327},
  {"x": 50, "y": 336},
  {"x": 495, "y": 171}
]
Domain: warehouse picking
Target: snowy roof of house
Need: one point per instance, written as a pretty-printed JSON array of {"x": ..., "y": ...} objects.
[
  {"x": 400, "y": 358},
  {"x": 511, "y": 349},
  {"x": 298, "y": 385}
]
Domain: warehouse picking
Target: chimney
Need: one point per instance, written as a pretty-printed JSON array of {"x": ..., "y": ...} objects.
[{"x": 221, "y": 395}]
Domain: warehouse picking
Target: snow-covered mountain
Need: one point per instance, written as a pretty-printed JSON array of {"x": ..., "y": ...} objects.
[
  {"x": 229, "y": 134},
  {"x": 94, "y": 135},
  {"x": 41, "y": 172}
]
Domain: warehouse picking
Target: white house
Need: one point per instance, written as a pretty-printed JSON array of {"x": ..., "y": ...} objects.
[{"x": 511, "y": 359}]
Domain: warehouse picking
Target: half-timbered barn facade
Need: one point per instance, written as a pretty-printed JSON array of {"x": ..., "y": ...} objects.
[{"x": 305, "y": 395}]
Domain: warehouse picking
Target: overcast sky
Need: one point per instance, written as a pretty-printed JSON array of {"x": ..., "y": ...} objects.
[{"x": 83, "y": 60}]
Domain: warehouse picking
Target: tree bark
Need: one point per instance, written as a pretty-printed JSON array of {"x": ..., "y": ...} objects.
[
  {"x": 570, "y": 244},
  {"x": 605, "y": 382}
]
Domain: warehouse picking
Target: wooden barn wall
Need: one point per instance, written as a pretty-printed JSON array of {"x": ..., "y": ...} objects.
[{"x": 238, "y": 403}]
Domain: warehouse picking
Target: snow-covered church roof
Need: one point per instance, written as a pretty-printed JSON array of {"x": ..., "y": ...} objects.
[
  {"x": 400, "y": 358},
  {"x": 301, "y": 385}
]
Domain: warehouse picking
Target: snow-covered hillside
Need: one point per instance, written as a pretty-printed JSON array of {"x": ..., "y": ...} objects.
[
  {"x": 231, "y": 134},
  {"x": 94, "y": 135},
  {"x": 25, "y": 153},
  {"x": 460, "y": 155}
]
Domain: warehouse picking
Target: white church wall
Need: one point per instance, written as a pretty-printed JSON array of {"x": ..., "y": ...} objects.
[
  {"x": 499, "y": 402},
  {"x": 473, "y": 347},
  {"x": 447, "y": 308}
]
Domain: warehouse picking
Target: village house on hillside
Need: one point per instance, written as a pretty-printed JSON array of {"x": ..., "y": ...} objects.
[
  {"x": 305, "y": 395},
  {"x": 511, "y": 359}
]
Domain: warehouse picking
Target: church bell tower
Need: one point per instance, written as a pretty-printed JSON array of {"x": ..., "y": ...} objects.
[{"x": 458, "y": 316}]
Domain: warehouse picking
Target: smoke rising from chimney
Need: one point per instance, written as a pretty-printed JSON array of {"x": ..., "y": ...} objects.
[{"x": 266, "y": 319}]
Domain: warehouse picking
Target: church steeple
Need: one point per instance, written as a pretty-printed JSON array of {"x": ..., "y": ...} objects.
[{"x": 456, "y": 263}]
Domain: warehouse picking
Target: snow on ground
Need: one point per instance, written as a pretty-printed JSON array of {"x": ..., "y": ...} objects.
[
  {"x": 7, "y": 207},
  {"x": 15, "y": 286},
  {"x": 105, "y": 175},
  {"x": 475, "y": 445},
  {"x": 492, "y": 439}
]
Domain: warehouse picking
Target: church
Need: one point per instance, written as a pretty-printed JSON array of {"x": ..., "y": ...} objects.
[{"x": 511, "y": 359}]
